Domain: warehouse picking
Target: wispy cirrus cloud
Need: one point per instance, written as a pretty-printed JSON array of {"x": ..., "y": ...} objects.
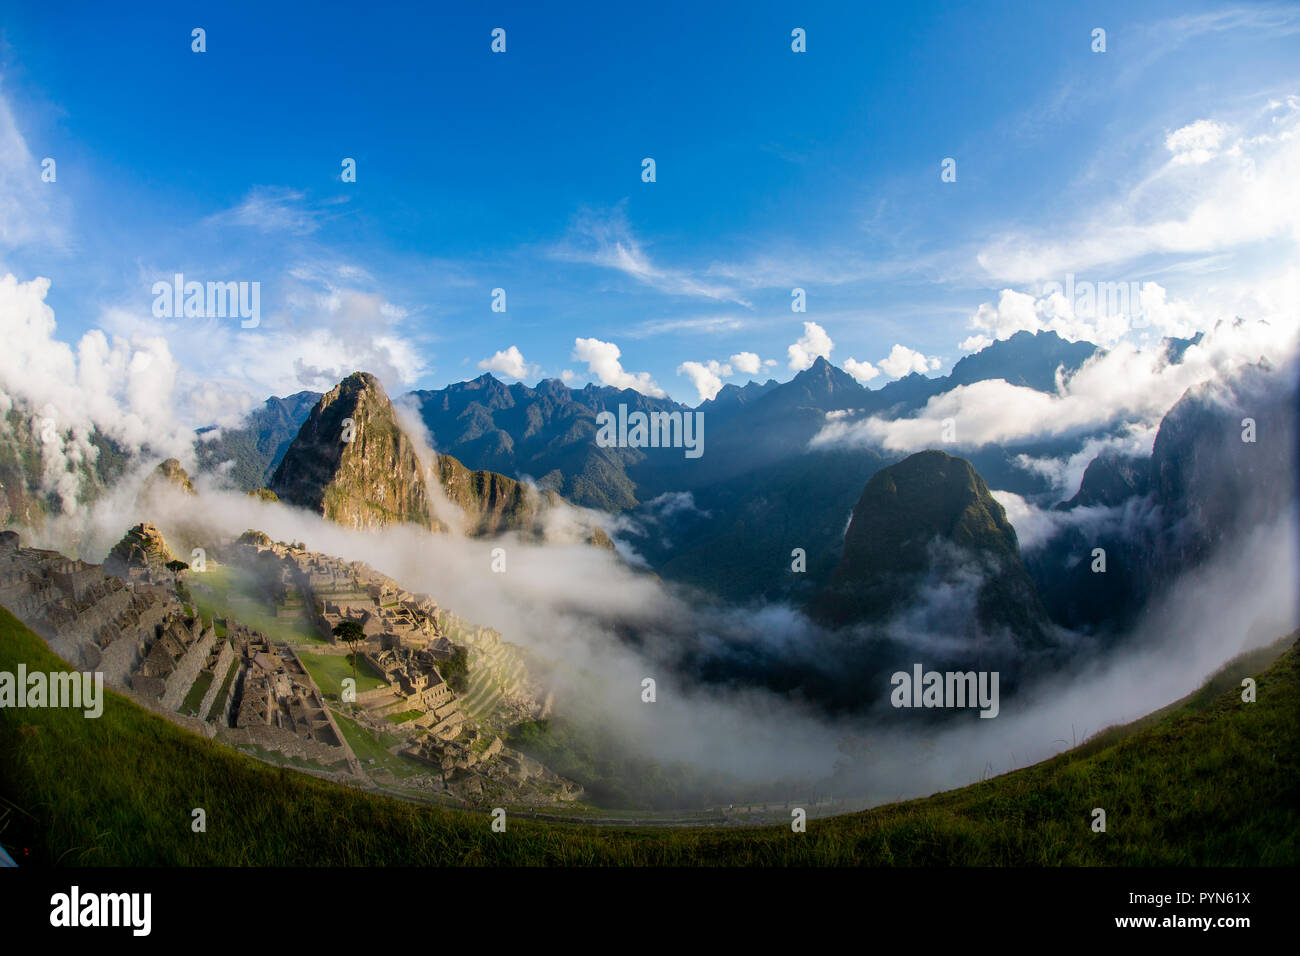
[
  {"x": 1215, "y": 185},
  {"x": 606, "y": 239},
  {"x": 1162, "y": 37},
  {"x": 28, "y": 207},
  {"x": 829, "y": 265},
  {"x": 700, "y": 325},
  {"x": 270, "y": 209}
]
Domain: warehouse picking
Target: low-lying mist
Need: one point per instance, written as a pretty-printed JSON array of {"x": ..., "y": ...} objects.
[{"x": 572, "y": 606}]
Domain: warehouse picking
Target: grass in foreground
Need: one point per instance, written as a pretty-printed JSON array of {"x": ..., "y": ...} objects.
[{"x": 1215, "y": 786}]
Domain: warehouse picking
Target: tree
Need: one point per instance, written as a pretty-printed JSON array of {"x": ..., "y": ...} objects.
[
  {"x": 351, "y": 634},
  {"x": 455, "y": 670},
  {"x": 176, "y": 567}
]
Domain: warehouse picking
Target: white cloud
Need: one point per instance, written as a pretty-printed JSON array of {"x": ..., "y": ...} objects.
[
  {"x": 1215, "y": 187},
  {"x": 1127, "y": 386},
  {"x": 672, "y": 503},
  {"x": 706, "y": 376},
  {"x": 1083, "y": 310},
  {"x": 324, "y": 330},
  {"x": 1195, "y": 143},
  {"x": 974, "y": 343},
  {"x": 123, "y": 387},
  {"x": 1066, "y": 473},
  {"x": 814, "y": 344},
  {"x": 602, "y": 359},
  {"x": 746, "y": 363},
  {"x": 510, "y": 363},
  {"x": 862, "y": 371},
  {"x": 121, "y": 377},
  {"x": 903, "y": 361},
  {"x": 1036, "y": 526}
]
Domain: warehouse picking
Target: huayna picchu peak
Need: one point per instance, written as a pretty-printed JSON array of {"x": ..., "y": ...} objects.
[{"x": 352, "y": 462}]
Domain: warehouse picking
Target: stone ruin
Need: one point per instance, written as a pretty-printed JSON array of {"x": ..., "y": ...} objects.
[
  {"x": 132, "y": 626},
  {"x": 141, "y": 556},
  {"x": 150, "y": 647}
]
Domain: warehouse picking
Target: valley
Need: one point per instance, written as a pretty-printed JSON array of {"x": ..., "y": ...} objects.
[{"x": 321, "y": 664}]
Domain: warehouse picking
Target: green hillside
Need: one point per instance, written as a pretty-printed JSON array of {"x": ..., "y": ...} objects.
[
  {"x": 1215, "y": 783},
  {"x": 888, "y": 548}
]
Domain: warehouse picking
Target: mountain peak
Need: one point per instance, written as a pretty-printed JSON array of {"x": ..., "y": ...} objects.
[
  {"x": 171, "y": 472},
  {"x": 351, "y": 461},
  {"x": 929, "y": 514},
  {"x": 552, "y": 386},
  {"x": 1029, "y": 359},
  {"x": 359, "y": 380},
  {"x": 819, "y": 370},
  {"x": 822, "y": 380}
]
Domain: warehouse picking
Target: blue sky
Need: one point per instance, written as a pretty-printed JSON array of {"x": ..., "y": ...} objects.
[{"x": 522, "y": 171}]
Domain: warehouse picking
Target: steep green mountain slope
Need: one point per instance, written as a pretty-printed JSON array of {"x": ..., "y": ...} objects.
[
  {"x": 493, "y": 503},
  {"x": 739, "y": 540},
  {"x": 255, "y": 449},
  {"x": 931, "y": 518},
  {"x": 26, "y": 497}
]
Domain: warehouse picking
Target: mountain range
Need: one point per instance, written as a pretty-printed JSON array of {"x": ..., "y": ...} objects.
[
  {"x": 859, "y": 537},
  {"x": 725, "y": 523}
]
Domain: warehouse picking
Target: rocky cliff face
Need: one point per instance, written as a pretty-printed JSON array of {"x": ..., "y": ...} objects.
[
  {"x": 1223, "y": 462},
  {"x": 492, "y": 503},
  {"x": 352, "y": 463},
  {"x": 1109, "y": 480},
  {"x": 21, "y": 501},
  {"x": 929, "y": 522},
  {"x": 376, "y": 478}
]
